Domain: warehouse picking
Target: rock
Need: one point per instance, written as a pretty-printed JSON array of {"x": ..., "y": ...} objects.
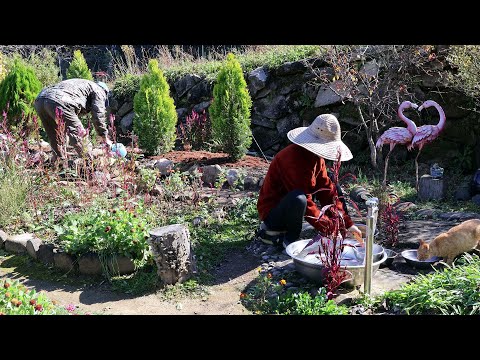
[
  {"x": 32, "y": 247},
  {"x": 3, "y": 238},
  {"x": 125, "y": 108},
  {"x": 257, "y": 79},
  {"x": 200, "y": 92},
  {"x": 210, "y": 174},
  {"x": 327, "y": 96},
  {"x": 428, "y": 213},
  {"x": 17, "y": 244},
  {"x": 285, "y": 124},
  {"x": 126, "y": 124},
  {"x": 232, "y": 176},
  {"x": 121, "y": 265},
  {"x": 476, "y": 199},
  {"x": 45, "y": 146},
  {"x": 370, "y": 69},
  {"x": 271, "y": 108},
  {"x": 45, "y": 253},
  {"x": 458, "y": 215},
  {"x": 405, "y": 206},
  {"x": 290, "y": 68},
  {"x": 199, "y": 108},
  {"x": 164, "y": 166},
  {"x": 182, "y": 113},
  {"x": 250, "y": 183},
  {"x": 63, "y": 261},
  {"x": 263, "y": 121},
  {"x": 157, "y": 190},
  {"x": 89, "y": 264},
  {"x": 185, "y": 83},
  {"x": 463, "y": 191}
]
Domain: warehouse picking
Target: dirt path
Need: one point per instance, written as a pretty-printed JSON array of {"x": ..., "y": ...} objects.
[{"x": 221, "y": 299}]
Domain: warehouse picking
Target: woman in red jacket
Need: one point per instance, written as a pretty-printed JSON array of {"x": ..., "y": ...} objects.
[{"x": 295, "y": 174}]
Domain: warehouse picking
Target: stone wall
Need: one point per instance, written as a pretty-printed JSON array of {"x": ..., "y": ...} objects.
[{"x": 287, "y": 97}]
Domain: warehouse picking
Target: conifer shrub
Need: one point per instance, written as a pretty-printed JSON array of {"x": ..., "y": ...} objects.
[
  {"x": 3, "y": 67},
  {"x": 230, "y": 110},
  {"x": 78, "y": 67},
  {"x": 17, "y": 93},
  {"x": 155, "y": 115}
]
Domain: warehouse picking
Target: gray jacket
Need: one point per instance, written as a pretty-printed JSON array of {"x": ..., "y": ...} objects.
[{"x": 79, "y": 96}]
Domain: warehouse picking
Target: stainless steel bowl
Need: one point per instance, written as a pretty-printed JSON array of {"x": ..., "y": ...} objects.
[
  {"x": 360, "y": 252},
  {"x": 391, "y": 255},
  {"x": 311, "y": 265},
  {"x": 410, "y": 257}
]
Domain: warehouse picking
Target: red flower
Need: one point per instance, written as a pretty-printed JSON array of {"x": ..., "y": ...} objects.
[
  {"x": 108, "y": 228},
  {"x": 39, "y": 307},
  {"x": 33, "y": 302},
  {"x": 6, "y": 285}
]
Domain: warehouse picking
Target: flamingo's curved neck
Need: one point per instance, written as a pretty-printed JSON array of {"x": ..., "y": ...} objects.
[
  {"x": 411, "y": 127},
  {"x": 441, "y": 123}
]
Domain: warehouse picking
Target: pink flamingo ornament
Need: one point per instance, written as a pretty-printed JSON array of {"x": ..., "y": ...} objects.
[
  {"x": 427, "y": 133},
  {"x": 398, "y": 135}
]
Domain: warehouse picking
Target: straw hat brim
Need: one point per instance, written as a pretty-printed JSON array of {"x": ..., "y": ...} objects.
[{"x": 325, "y": 148}]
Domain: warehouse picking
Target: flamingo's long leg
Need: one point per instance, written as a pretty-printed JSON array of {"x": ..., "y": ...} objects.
[
  {"x": 416, "y": 167},
  {"x": 386, "y": 165}
]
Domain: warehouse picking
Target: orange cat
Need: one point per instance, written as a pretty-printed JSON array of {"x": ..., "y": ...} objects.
[{"x": 459, "y": 239}]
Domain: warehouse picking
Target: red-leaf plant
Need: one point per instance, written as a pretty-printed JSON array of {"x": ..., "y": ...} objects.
[
  {"x": 390, "y": 223},
  {"x": 331, "y": 241}
]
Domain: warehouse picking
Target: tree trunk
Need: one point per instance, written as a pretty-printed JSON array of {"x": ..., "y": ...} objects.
[
  {"x": 371, "y": 143},
  {"x": 172, "y": 251},
  {"x": 430, "y": 188}
]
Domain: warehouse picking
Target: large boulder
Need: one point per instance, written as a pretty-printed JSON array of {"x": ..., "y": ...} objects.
[{"x": 257, "y": 79}]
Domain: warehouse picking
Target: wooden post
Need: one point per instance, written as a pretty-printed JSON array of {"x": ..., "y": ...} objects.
[
  {"x": 172, "y": 251},
  {"x": 430, "y": 188}
]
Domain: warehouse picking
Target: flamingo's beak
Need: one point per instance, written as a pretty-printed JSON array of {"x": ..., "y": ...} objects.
[{"x": 420, "y": 108}]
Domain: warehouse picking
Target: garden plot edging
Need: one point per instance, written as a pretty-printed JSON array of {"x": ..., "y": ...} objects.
[{"x": 48, "y": 254}]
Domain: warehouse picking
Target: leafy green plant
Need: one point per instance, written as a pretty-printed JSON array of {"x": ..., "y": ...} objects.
[
  {"x": 230, "y": 110},
  {"x": 451, "y": 291},
  {"x": 78, "y": 68},
  {"x": 126, "y": 86},
  {"x": 17, "y": 93},
  {"x": 146, "y": 179},
  {"x": 155, "y": 116},
  {"x": 268, "y": 296},
  {"x": 17, "y": 299},
  {"x": 45, "y": 66},
  {"x": 114, "y": 232}
]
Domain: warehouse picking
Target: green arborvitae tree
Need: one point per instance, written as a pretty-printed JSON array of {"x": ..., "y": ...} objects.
[
  {"x": 78, "y": 67},
  {"x": 155, "y": 115},
  {"x": 18, "y": 91},
  {"x": 230, "y": 110}
]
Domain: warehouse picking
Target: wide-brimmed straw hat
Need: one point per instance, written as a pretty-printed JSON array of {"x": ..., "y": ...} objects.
[{"x": 322, "y": 137}]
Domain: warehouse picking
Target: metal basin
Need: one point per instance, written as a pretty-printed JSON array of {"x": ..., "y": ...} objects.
[
  {"x": 410, "y": 257},
  {"x": 311, "y": 266},
  {"x": 391, "y": 255}
]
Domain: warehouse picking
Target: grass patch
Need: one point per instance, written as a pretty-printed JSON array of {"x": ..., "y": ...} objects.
[
  {"x": 270, "y": 56},
  {"x": 14, "y": 187},
  {"x": 143, "y": 281},
  {"x": 450, "y": 291}
]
